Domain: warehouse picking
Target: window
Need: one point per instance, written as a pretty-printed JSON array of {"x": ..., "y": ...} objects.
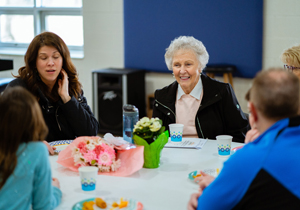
[{"x": 21, "y": 20}]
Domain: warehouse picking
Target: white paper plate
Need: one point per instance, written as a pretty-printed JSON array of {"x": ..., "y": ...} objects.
[
  {"x": 210, "y": 171},
  {"x": 132, "y": 205},
  {"x": 60, "y": 145}
]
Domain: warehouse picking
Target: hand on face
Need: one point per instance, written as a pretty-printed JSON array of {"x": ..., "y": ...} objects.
[{"x": 63, "y": 86}]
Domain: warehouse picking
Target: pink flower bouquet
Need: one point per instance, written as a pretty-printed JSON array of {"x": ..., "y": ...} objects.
[
  {"x": 96, "y": 152},
  {"x": 108, "y": 158}
]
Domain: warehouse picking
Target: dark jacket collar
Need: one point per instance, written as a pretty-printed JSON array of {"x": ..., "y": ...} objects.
[
  {"x": 211, "y": 88},
  {"x": 167, "y": 95}
]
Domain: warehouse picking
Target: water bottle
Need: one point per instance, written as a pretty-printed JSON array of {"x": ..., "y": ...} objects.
[{"x": 130, "y": 118}]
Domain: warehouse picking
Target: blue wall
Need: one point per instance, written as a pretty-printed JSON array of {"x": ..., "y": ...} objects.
[{"x": 231, "y": 30}]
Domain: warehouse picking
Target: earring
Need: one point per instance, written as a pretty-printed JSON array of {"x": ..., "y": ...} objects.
[{"x": 173, "y": 74}]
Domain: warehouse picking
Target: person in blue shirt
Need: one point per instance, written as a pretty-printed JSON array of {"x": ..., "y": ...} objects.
[
  {"x": 264, "y": 174},
  {"x": 25, "y": 173}
]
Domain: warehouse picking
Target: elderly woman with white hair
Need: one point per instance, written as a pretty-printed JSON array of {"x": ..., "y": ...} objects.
[{"x": 206, "y": 107}]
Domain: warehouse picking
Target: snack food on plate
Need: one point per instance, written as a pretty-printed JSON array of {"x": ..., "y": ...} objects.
[
  {"x": 88, "y": 205},
  {"x": 115, "y": 204},
  {"x": 197, "y": 175},
  {"x": 123, "y": 203},
  {"x": 100, "y": 203},
  {"x": 110, "y": 204}
]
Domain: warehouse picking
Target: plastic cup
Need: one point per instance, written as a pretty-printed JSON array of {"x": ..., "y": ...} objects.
[
  {"x": 176, "y": 132},
  {"x": 88, "y": 175},
  {"x": 224, "y": 145}
]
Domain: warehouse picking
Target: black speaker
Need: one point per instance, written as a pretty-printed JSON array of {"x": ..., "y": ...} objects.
[
  {"x": 112, "y": 88},
  {"x": 6, "y": 65}
]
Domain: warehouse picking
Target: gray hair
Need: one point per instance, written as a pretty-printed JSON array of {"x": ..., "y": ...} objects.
[{"x": 188, "y": 43}]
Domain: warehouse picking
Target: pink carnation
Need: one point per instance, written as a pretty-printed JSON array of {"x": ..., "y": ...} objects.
[
  {"x": 81, "y": 147},
  {"x": 97, "y": 153},
  {"x": 105, "y": 158},
  {"x": 97, "y": 149},
  {"x": 89, "y": 156}
]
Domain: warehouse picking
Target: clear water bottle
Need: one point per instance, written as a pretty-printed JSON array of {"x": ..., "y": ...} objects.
[{"x": 130, "y": 118}]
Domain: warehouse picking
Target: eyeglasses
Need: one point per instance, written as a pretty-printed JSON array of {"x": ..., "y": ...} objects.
[{"x": 290, "y": 68}]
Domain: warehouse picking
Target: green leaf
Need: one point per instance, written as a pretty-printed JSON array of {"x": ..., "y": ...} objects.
[{"x": 153, "y": 150}]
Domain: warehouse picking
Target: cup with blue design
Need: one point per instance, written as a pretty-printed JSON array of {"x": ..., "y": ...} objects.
[
  {"x": 176, "y": 130},
  {"x": 224, "y": 145},
  {"x": 88, "y": 176}
]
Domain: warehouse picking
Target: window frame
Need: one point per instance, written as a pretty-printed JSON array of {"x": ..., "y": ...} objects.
[{"x": 39, "y": 21}]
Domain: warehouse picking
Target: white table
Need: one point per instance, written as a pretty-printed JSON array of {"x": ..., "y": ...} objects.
[{"x": 166, "y": 187}]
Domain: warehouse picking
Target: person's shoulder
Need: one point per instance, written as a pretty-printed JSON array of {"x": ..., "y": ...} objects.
[
  {"x": 37, "y": 146},
  {"x": 17, "y": 82},
  {"x": 167, "y": 89},
  {"x": 214, "y": 86},
  {"x": 213, "y": 82}
]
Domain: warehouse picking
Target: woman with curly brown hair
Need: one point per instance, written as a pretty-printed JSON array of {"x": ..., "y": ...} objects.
[
  {"x": 51, "y": 77},
  {"x": 25, "y": 175}
]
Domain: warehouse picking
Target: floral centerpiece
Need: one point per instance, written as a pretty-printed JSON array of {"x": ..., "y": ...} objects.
[
  {"x": 111, "y": 155},
  {"x": 149, "y": 129},
  {"x": 152, "y": 135},
  {"x": 98, "y": 153}
]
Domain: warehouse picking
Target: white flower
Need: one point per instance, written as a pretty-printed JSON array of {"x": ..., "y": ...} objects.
[
  {"x": 104, "y": 168},
  {"x": 155, "y": 126},
  {"x": 115, "y": 165},
  {"x": 145, "y": 122},
  {"x": 77, "y": 158},
  {"x": 90, "y": 146},
  {"x": 138, "y": 124},
  {"x": 75, "y": 150}
]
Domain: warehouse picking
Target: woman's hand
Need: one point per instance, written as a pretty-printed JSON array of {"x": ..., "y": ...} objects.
[
  {"x": 50, "y": 149},
  {"x": 63, "y": 87},
  {"x": 204, "y": 180},
  {"x": 251, "y": 135},
  {"x": 193, "y": 203},
  {"x": 55, "y": 183}
]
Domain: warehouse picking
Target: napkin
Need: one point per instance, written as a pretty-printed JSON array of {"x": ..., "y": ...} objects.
[
  {"x": 118, "y": 142},
  {"x": 132, "y": 158}
]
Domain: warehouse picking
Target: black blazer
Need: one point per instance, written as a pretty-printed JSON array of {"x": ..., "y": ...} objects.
[{"x": 219, "y": 112}]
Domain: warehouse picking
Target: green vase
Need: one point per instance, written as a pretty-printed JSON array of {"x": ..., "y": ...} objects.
[{"x": 152, "y": 151}]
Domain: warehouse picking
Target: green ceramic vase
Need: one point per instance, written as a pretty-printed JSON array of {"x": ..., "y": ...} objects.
[{"x": 152, "y": 151}]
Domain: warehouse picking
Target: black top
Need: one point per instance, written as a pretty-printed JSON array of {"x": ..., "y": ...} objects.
[
  {"x": 65, "y": 121},
  {"x": 219, "y": 112}
]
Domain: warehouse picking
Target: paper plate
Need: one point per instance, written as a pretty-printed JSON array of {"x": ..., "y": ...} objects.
[
  {"x": 233, "y": 150},
  {"x": 211, "y": 171},
  {"x": 60, "y": 145},
  {"x": 132, "y": 204}
]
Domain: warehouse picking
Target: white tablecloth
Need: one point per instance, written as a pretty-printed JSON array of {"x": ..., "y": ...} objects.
[{"x": 166, "y": 187}]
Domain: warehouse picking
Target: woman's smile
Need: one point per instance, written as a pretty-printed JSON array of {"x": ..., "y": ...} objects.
[{"x": 186, "y": 69}]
